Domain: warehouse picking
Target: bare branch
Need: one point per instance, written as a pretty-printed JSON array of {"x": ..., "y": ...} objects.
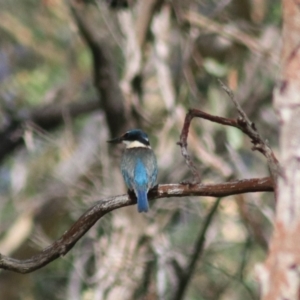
[
  {"x": 242, "y": 122},
  {"x": 66, "y": 242},
  {"x": 183, "y": 144}
]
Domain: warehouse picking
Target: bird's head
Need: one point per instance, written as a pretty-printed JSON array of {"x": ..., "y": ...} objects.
[{"x": 132, "y": 139}]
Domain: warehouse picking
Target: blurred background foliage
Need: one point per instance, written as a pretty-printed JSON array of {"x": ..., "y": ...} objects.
[{"x": 56, "y": 115}]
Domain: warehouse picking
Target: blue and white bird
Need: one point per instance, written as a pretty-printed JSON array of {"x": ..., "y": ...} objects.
[{"x": 138, "y": 165}]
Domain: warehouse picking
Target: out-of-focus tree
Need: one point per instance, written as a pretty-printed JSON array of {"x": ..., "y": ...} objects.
[{"x": 75, "y": 73}]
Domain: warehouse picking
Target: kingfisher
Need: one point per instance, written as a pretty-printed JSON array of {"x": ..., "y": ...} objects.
[{"x": 138, "y": 165}]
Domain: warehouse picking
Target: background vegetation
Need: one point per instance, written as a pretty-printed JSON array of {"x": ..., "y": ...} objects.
[{"x": 75, "y": 73}]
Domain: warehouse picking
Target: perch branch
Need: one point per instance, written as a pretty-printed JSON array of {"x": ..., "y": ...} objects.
[{"x": 66, "y": 242}]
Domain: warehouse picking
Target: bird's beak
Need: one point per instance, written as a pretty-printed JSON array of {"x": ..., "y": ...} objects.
[{"x": 116, "y": 140}]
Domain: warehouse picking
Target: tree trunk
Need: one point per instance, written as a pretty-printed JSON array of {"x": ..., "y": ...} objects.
[{"x": 279, "y": 276}]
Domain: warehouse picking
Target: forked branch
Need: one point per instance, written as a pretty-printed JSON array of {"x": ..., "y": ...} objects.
[{"x": 242, "y": 123}]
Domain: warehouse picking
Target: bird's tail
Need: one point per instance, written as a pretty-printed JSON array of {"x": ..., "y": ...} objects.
[{"x": 142, "y": 200}]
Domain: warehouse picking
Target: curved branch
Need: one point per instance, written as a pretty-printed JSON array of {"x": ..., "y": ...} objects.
[
  {"x": 242, "y": 123},
  {"x": 66, "y": 242}
]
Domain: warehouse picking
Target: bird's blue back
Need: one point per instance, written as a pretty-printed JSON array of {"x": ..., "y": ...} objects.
[{"x": 139, "y": 169}]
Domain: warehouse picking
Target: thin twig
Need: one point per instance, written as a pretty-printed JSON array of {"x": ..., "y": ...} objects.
[
  {"x": 249, "y": 128},
  {"x": 67, "y": 241},
  {"x": 235, "y": 278},
  {"x": 252, "y": 221}
]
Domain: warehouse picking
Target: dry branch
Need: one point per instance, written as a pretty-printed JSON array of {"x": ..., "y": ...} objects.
[
  {"x": 64, "y": 244},
  {"x": 242, "y": 122}
]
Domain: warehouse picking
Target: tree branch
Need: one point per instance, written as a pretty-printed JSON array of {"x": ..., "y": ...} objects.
[
  {"x": 66, "y": 242},
  {"x": 242, "y": 123}
]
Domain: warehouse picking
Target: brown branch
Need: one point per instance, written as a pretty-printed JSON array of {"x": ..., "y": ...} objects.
[
  {"x": 183, "y": 145},
  {"x": 242, "y": 122},
  {"x": 64, "y": 244}
]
